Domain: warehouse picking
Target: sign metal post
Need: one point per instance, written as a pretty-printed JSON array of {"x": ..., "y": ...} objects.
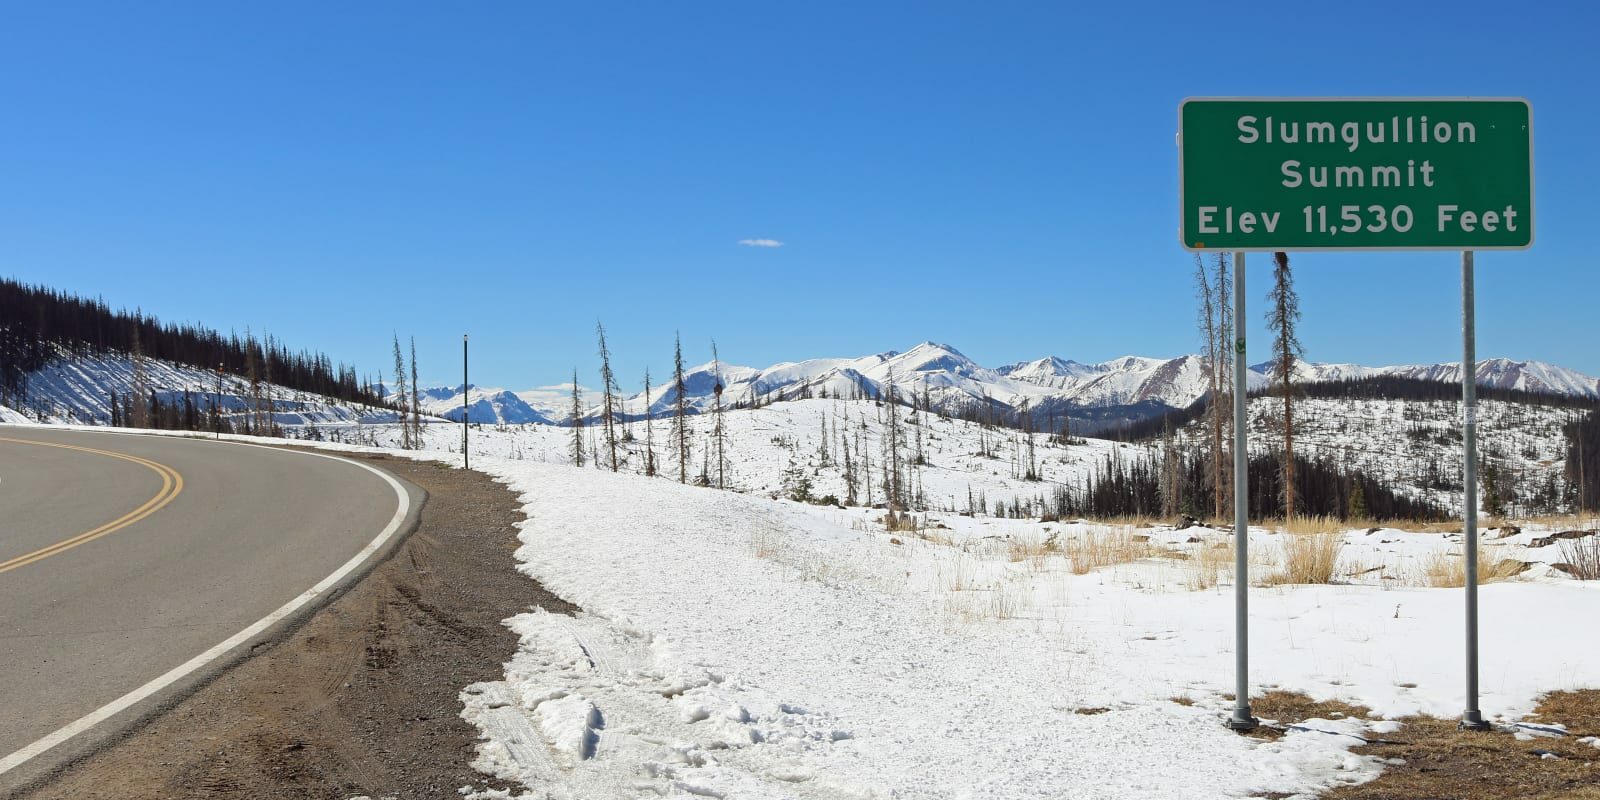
[
  {"x": 1471, "y": 717},
  {"x": 466, "y": 460},
  {"x": 1386, "y": 173},
  {"x": 1241, "y": 720}
]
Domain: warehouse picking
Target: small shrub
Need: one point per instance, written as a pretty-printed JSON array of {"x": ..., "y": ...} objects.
[{"x": 1582, "y": 556}]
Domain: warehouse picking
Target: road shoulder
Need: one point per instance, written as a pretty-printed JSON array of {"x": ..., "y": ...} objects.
[{"x": 362, "y": 698}]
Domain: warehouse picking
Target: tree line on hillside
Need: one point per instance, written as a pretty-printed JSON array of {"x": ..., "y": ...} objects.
[
  {"x": 1178, "y": 484},
  {"x": 38, "y": 325},
  {"x": 1583, "y": 460},
  {"x": 1376, "y": 387}
]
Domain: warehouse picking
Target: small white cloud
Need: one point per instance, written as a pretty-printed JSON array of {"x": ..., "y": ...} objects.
[{"x": 760, "y": 242}]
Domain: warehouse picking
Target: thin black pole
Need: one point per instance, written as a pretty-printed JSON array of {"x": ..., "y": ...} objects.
[{"x": 466, "y": 460}]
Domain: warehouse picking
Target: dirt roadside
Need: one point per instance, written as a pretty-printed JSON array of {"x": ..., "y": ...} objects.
[{"x": 362, "y": 698}]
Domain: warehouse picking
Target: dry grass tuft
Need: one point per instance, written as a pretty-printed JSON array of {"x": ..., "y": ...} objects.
[
  {"x": 1026, "y": 548},
  {"x": 999, "y": 601},
  {"x": 1208, "y": 566},
  {"x": 901, "y": 522},
  {"x": 1448, "y": 569},
  {"x": 1320, "y": 524},
  {"x": 768, "y": 544},
  {"x": 1096, "y": 549},
  {"x": 1309, "y": 557}
]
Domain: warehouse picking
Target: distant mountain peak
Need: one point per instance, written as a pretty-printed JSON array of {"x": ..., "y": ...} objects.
[{"x": 1051, "y": 384}]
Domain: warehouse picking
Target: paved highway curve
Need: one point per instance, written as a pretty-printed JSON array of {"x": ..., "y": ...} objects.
[{"x": 131, "y": 565}]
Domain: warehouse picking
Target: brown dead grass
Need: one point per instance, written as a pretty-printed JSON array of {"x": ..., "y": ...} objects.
[
  {"x": 1563, "y": 522},
  {"x": 1433, "y": 758},
  {"x": 1096, "y": 549},
  {"x": 1448, "y": 569},
  {"x": 1319, "y": 524},
  {"x": 1128, "y": 521},
  {"x": 1209, "y": 564},
  {"x": 1309, "y": 557},
  {"x": 1288, "y": 708},
  {"x": 1579, "y": 710}
]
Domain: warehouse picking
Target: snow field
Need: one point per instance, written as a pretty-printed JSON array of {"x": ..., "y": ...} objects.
[
  {"x": 739, "y": 645},
  {"x": 827, "y": 684}
]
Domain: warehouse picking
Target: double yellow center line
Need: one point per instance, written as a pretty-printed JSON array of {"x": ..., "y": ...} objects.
[{"x": 171, "y": 485}]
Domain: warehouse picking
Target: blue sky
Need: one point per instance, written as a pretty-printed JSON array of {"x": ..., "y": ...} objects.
[{"x": 998, "y": 176}]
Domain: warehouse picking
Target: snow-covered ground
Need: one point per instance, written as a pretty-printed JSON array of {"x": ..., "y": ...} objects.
[
  {"x": 78, "y": 390},
  {"x": 1414, "y": 446},
  {"x": 739, "y": 644}
]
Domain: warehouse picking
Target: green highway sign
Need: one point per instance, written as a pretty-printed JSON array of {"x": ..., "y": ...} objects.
[{"x": 1356, "y": 174}]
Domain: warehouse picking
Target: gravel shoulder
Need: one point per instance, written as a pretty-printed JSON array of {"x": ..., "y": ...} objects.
[{"x": 361, "y": 699}]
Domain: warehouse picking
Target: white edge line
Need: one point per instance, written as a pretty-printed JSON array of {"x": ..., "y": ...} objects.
[{"x": 142, "y": 693}]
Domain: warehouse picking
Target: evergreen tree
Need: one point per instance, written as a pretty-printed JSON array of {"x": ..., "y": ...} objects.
[
  {"x": 1283, "y": 315},
  {"x": 576, "y": 420},
  {"x": 269, "y": 426},
  {"x": 399, "y": 400},
  {"x": 649, "y": 429},
  {"x": 681, "y": 433},
  {"x": 1358, "y": 500},
  {"x": 140, "y": 418}
]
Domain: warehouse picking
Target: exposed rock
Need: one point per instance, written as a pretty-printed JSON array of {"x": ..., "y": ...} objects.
[{"x": 1545, "y": 541}]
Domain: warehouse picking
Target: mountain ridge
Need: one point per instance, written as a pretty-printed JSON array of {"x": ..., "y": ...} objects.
[{"x": 1127, "y": 387}]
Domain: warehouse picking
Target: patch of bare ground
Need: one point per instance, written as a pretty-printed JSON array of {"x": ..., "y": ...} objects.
[
  {"x": 1432, "y": 758},
  {"x": 362, "y": 699},
  {"x": 1290, "y": 708}
]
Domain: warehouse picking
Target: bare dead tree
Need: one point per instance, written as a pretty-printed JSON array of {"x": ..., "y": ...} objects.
[
  {"x": 1222, "y": 263},
  {"x": 1207, "y": 293},
  {"x": 400, "y": 394},
  {"x": 416, "y": 405},
  {"x": 719, "y": 433},
  {"x": 608, "y": 408},
  {"x": 649, "y": 429}
]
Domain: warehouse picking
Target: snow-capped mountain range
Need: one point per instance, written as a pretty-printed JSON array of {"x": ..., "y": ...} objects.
[{"x": 1121, "y": 388}]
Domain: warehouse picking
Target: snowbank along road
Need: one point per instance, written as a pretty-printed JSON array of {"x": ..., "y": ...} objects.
[{"x": 133, "y": 567}]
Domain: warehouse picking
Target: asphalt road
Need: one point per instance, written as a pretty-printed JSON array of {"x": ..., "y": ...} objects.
[{"x": 123, "y": 558}]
